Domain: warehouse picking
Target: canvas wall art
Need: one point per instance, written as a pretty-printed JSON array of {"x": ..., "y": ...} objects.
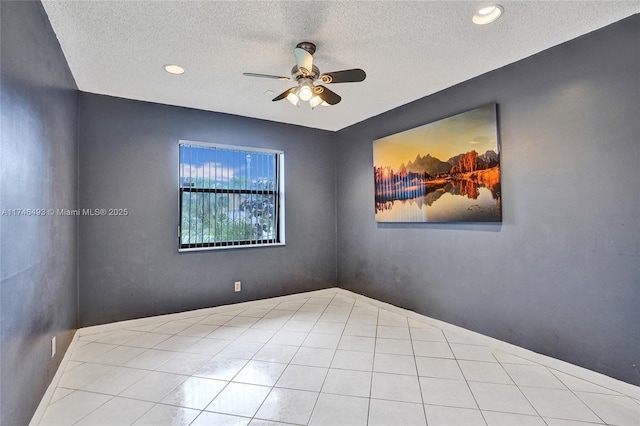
[{"x": 445, "y": 171}]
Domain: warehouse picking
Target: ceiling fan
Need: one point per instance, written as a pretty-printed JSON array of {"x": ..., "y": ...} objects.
[{"x": 306, "y": 73}]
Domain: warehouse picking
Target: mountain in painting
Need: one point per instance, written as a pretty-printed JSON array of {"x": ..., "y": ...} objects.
[{"x": 428, "y": 164}]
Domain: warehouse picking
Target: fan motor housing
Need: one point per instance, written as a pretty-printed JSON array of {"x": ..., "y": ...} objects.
[
  {"x": 308, "y": 46},
  {"x": 297, "y": 75}
]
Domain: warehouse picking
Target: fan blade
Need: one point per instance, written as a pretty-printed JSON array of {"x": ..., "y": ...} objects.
[
  {"x": 304, "y": 61},
  {"x": 327, "y": 95},
  {"x": 347, "y": 76},
  {"x": 275, "y": 77},
  {"x": 284, "y": 94}
]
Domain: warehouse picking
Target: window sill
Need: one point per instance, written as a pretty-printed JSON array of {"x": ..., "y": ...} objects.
[{"x": 232, "y": 247}]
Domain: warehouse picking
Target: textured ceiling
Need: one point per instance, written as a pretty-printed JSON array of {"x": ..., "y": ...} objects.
[{"x": 408, "y": 49}]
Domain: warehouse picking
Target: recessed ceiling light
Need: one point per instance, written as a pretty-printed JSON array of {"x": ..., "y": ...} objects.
[
  {"x": 174, "y": 69},
  {"x": 487, "y": 14}
]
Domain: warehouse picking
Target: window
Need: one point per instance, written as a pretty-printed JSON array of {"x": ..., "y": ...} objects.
[{"x": 230, "y": 196}]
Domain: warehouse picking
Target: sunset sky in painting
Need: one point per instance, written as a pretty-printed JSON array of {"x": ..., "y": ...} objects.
[{"x": 475, "y": 129}]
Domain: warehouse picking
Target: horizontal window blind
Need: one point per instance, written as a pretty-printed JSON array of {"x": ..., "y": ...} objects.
[{"x": 229, "y": 196}]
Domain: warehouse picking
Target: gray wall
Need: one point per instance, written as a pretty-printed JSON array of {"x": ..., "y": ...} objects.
[
  {"x": 561, "y": 274},
  {"x": 38, "y": 163},
  {"x": 130, "y": 266}
]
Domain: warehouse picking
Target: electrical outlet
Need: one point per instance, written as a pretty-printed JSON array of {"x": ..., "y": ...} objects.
[
  {"x": 53, "y": 346},
  {"x": 238, "y": 286}
]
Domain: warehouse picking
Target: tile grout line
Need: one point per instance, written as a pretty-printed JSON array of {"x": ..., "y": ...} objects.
[
  {"x": 547, "y": 361},
  {"x": 156, "y": 403},
  {"x": 528, "y": 400},
  {"x": 89, "y": 413},
  {"x": 149, "y": 372},
  {"x": 271, "y": 388},
  {"x": 332, "y": 358},
  {"x": 415, "y": 364},
  {"x": 289, "y": 363},
  {"x": 574, "y": 394},
  {"x": 373, "y": 363},
  {"x": 235, "y": 313},
  {"x": 464, "y": 377},
  {"x": 229, "y": 382},
  {"x": 315, "y": 404},
  {"x": 123, "y": 343}
]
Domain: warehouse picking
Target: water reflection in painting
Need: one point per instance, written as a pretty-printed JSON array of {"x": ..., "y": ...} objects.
[{"x": 414, "y": 184}]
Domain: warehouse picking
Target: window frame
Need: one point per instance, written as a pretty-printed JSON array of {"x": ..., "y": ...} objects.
[{"x": 279, "y": 196}]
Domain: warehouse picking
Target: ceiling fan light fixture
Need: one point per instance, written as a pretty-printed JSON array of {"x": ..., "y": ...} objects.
[
  {"x": 487, "y": 14},
  {"x": 174, "y": 69},
  {"x": 293, "y": 98},
  {"x": 305, "y": 92},
  {"x": 315, "y": 101}
]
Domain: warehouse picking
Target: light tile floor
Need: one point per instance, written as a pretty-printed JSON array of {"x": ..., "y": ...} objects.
[{"x": 322, "y": 359}]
